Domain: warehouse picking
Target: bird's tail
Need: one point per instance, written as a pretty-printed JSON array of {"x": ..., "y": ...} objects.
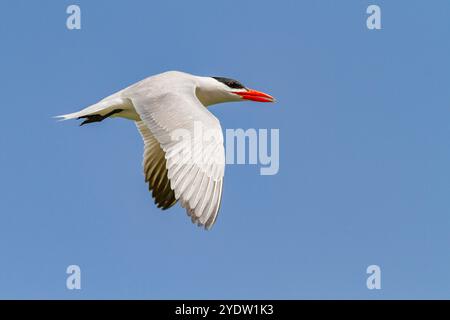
[{"x": 101, "y": 108}]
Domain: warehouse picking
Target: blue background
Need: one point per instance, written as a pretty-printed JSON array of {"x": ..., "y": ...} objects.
[{"x": 364, "y": 119}]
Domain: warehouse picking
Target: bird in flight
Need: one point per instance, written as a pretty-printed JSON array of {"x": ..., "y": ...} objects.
[{"x": 184, "y": 156}]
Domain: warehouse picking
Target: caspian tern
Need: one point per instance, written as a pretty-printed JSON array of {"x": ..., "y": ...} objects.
[{"x": 166, "y": 107}]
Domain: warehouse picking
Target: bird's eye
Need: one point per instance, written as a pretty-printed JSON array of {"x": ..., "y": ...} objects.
[{"x": 235, "y": 85}]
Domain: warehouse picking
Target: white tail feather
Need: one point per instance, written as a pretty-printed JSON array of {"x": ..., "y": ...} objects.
[{"x": 101, "y": 108}]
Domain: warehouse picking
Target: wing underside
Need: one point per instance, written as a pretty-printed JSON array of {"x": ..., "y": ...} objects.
[{"x": 155, "y": 170}]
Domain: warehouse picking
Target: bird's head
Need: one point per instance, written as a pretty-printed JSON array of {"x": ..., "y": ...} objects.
[{"x": 213, "y": 90}]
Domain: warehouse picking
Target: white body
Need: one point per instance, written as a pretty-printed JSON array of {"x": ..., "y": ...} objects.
[{"x": 161, "y": 105}]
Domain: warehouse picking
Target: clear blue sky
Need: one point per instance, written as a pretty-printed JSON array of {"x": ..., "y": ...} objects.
[{"x": 364, "y": 119}]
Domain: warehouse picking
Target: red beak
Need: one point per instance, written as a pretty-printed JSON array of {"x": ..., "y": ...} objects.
[{"x": 254, "y": 95}]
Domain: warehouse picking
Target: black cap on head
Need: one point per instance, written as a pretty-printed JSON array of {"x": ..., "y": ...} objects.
[{"x": 233, "y": 84}]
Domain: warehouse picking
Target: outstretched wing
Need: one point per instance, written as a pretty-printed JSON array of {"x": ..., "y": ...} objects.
[
  {"x": 192, "y": 142},
  {"x": 155, "y": 170}
]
